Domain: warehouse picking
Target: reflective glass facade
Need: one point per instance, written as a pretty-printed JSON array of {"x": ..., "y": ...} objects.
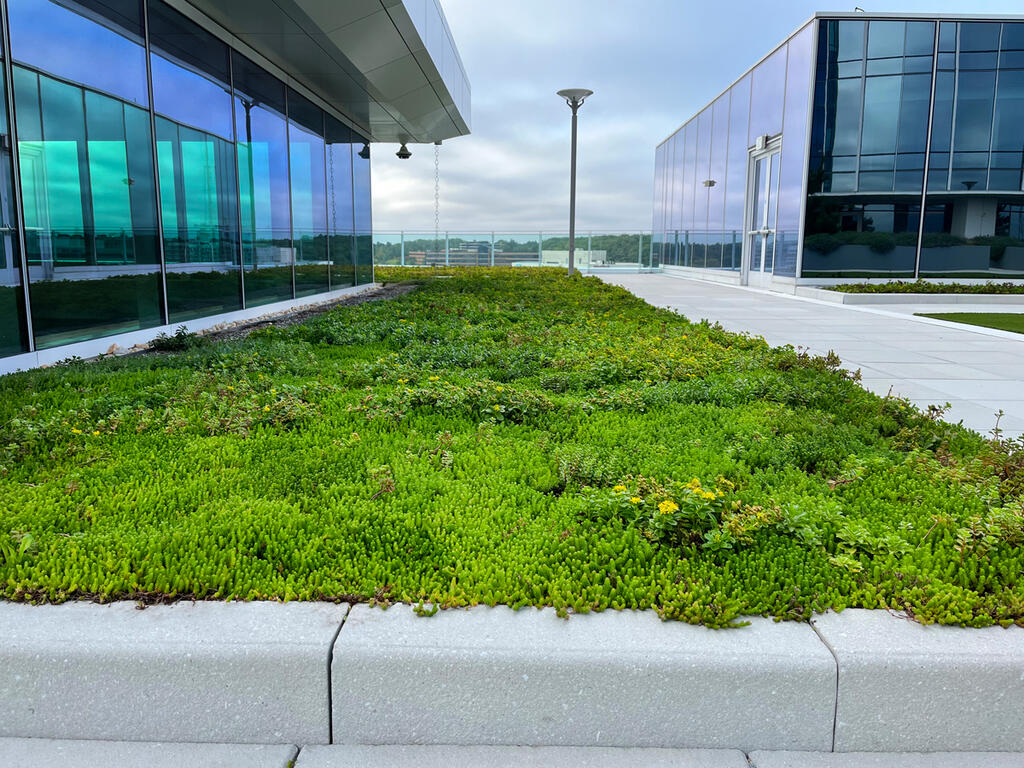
[
  {"x": 704, "y": 171},
  {"x": 163, "y": 177},
  {"x": 914, "y": 158}
]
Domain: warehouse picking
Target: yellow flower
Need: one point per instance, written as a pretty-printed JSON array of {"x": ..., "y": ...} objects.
[
  {"x": 501, "y": 389},
  {"x": 635, "y": 500},
  {"x": 667, "y": 507},
  {"x": 434, "y": 378},
  {"x": 619, "y": 488},
  {"x": 496, "y": 407},
  {"x": 76, "y": 431},
  {"x": 95, "y": 431},
  {"x": 403, "y": 381},
  {"x": 266, "y": 407},
  {"x": 707, "y": 495}
]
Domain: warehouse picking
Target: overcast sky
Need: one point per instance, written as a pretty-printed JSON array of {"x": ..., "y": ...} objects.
[{"x": 651, "y": 64}]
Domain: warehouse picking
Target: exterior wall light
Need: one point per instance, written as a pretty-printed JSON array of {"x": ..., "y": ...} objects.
[{"x": 403, "y": 152}]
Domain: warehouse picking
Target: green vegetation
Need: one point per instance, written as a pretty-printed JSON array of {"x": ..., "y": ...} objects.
[
  {"x": 503, "y": 436},
  {"x": 1005, "y": 321},
  {"x": 922, "y": 286}
]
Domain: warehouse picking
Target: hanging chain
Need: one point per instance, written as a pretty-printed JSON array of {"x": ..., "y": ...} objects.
[{"x": 437, "y": 194}]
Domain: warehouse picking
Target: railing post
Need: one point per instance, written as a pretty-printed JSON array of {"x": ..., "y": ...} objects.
[
  {"x": 540, "y": 248},
  {"x": 639, "y": 251},
  {"x": 403, "y": 247},
  {"x": 446, "y": 249},
  {"x": 590, "y": 251},
  {"x": 492, "y": 249},
  {"x": 733, "y": 257}
]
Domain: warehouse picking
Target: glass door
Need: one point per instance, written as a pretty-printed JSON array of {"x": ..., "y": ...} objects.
[{"x": 760, "y": 250}]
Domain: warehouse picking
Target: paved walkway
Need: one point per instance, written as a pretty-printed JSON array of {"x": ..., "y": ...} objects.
[{"x": 978, "y": 371}]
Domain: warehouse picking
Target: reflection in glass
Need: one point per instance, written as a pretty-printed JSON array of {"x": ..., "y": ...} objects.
[
  {"x": 196, "y": 166},
  {"x": 309, "y": 195},
  {"x": 262, "y": 131},
  {"x": 794, "y": 140},
  {"x": 191, "y": 74},
  {"x": 13, "y": 331},
  {"x": 362, "y": 207},
  {"x": 340, "y": 222},
  {"x": 90, "y": 212},
  {"x": 95, "y": 44},
  {"x": 199, "y": 203}
]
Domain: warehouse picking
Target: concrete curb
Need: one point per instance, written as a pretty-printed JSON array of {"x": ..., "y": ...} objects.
[
  {"x": 252, "y": 673},
  {"x": 621, "y": 679},
  {"x": 839, "y": 297},
  {"x": 262, "y": 673}
]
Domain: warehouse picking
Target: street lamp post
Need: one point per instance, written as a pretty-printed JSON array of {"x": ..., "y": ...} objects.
[{"x": 574, "y": 97}]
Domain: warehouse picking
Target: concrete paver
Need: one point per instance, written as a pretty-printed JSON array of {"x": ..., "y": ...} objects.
[
  {"x": 886, "y": 760},
  {"x": 978, "y": 371},
  {"x": 430, "y": 756},
  {"x": 55, "y": 753}
]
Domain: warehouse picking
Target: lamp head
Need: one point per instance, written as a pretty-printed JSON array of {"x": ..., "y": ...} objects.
[
  {"x": 364, "y": 152},
  {"x": 575, "y": 96},
  {"x": 403, "y": 152}
]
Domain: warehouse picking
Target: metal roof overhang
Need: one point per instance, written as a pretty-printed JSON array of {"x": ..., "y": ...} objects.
[{"x": 367, "y": 59}]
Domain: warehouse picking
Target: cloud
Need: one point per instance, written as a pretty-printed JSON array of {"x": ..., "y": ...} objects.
[{"x": 651, "y": 63}]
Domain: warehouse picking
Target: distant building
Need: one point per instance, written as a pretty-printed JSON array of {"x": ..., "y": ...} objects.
[{"x": 812, "y": 166}]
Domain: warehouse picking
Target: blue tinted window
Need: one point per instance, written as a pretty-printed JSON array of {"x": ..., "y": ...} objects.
[
  {"x": 913, "y": 127},
  {"x": 309, "y": 194},
  {"x": 1013, "y": 37},
  {"x": 947, "y": 36},
  {"x": 89, "y": 209},
  {"x": 739, "y": 112},
  {"x": 885, "y": 66},
  {"x": 881, "y": 114},
  {"x": 64, "y": 40},
  {"x": 973, "y": 121},
  {"x": 979, "y": 36},
  {"x": 769, "y": 85},
  {"x": 920, "y": 38},
  {"x": 263, "y": 182},
  {"x": 13, "y": 331},
  {"x": 917, "y": 64},
  {"x": 363, "y": 212},
  {"x": 885, "y": 38},
  {"x": 850, "y": 40},
  {"x": 191, "y": 76},
  {"x": 1008, "y": 130},
  {"x": 340, "y": 223}
]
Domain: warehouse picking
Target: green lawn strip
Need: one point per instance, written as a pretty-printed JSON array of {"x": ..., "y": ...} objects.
[
  {"x": 1004, "y": 321},
  {"x": 923, "y": 286},
  {"x": 502, "y": 436}
]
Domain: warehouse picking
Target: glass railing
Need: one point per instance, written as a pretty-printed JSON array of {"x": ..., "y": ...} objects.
[{"x": 594, "y": 250}]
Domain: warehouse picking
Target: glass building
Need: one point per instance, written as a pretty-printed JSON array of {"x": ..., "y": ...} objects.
[
  {"x": 864, "y": 146},
  {"x": 166, "y": 162}
]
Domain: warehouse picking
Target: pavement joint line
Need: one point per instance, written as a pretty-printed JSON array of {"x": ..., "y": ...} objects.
[
  {"x": 835, "y": 712},
  {"x": 949, "y": 325},
  {"x": 330, "y": 662}
]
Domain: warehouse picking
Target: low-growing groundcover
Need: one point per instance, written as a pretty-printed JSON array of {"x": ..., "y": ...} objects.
[{"x": 502, "y": 436}]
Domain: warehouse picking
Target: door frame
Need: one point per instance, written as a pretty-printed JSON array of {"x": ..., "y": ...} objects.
[{"x": 765, "y": 147}]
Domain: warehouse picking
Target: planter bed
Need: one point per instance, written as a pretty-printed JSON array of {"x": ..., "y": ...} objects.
[{"x": 505, "y": 437}]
